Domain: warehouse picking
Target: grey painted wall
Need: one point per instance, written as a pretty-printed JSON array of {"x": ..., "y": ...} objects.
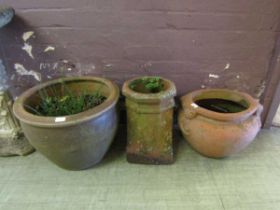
[{"x": 196, "y": 43}]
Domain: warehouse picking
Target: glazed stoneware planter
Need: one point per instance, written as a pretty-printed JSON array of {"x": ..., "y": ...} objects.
[
  {"x": 149, "y": 124},
  {"x": 73, "y": 142},
  {"x": 219, "y": 122}
]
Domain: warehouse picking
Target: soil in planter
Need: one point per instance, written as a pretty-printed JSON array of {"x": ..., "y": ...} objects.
[
  {"x": 67, "y": 104},
  {"x": 147, "y": 85},
  {"x": 221, "y": 105}
]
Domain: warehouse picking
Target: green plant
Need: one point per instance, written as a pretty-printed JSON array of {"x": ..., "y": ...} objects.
[
  {"x": 147, "y": 84},
  {"x": 55, "y": 104},
  {"x": 68, "y": 104}
]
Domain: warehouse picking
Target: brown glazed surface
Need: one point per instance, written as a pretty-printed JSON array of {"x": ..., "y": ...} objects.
[
  {"x": 77, "y": 141},
  {"x": 149, "y": 124},
  {"x": 216, "y": 134}
]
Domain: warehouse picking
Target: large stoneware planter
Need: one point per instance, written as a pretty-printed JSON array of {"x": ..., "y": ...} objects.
[
  {"x": 219, "y": 122},
  {"x": 76, "y": 141},
  {"x": 149, "y": 124}
]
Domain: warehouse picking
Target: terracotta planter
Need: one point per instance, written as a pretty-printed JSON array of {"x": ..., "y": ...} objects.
[
  {"x": 76, "y": 141},
  {"x": 216, "y": 134},
  {"x": 149, "y": 124}
]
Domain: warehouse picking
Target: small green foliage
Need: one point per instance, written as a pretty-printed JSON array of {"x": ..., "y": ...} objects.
[
  {"x": 147, "y": 84},
  {"x": 67, "y": 105}
]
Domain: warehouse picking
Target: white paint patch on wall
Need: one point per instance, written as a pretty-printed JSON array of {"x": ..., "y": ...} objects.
[
  {"x": 215, "y": 76},
  {"x": 49, "y": 48},
  {"x": 227, "y": 66},
  {"x": 28, "y": 48},
  {"x": 21, "y": 70},
  {"x": 27, "y": 35}
]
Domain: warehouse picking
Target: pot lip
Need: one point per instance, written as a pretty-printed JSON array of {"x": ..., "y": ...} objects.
[
  {"x": 188, "y": 102},
  {"x": 170, "y": 92},
  {"x": 62, "y": 121}
]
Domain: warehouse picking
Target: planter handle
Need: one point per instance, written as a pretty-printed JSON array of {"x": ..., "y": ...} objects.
[
  {"x": 189, "y": 107},
  {"x": 259, "y": 110},
  {"x": 190, "y": 113}
]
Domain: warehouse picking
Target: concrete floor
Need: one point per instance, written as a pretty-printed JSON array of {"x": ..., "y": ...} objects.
[{"x": 247, "y": 181}]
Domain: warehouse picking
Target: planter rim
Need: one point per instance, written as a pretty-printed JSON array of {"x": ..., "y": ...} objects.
[
  {"x": 170, "y": 92},
  {"x": 62, "y": 121},
  {"x": 253, "y": 105}
]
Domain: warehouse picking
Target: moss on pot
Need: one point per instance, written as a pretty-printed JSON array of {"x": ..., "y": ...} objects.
[
  {"x": 149, "y": 103},
  {"x": 147, "y": 85}
]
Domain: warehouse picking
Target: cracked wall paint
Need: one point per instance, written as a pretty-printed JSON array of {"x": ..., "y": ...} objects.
[
  {"x": 21, "y": 70},
  {"x": 27, "y": 35},
  {"x": 49, "y": 48},
  {"x": 186, "y": 55},
  {"x": 28, "y": 48},
  {"x": 260, "y": 89},
  {"x": 48, "y": 66},
  {"x": 64, "y": 67},
  {"x": 215, "y": 76},
  {"x": 229, "y": 80},
  {"x": 85, "y": 68},
  {"x": 227, "y": 66}
]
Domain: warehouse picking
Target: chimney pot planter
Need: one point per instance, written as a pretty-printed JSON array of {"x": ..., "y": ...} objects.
[{"x": 149, "y": 124}]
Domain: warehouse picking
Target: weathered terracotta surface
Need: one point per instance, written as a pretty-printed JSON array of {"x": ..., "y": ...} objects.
[
  {"x": 149, "y": 124},
  {"x": 216, "y": 134},
  {"x": 76, "y": 141}
]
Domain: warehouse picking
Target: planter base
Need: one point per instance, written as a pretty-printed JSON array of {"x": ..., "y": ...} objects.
[{"x": 140, "y": 159}]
